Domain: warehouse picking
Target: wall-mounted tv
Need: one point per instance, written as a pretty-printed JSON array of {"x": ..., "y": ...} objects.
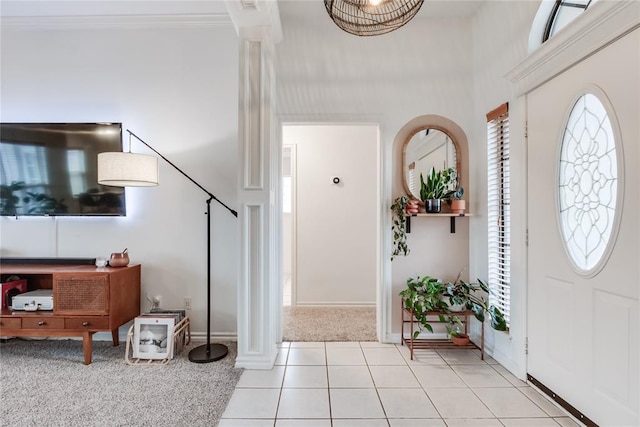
[{"x": 51, "y": 169}]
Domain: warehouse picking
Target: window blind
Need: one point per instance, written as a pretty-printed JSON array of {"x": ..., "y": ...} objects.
[{"x": 499, "y": 209}]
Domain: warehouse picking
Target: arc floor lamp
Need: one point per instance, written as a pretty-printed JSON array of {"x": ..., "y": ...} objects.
[{"x": 127, "y": 169}]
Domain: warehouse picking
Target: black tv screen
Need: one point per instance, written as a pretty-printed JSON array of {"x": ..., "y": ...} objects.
[{"x": 52, "y": 169}]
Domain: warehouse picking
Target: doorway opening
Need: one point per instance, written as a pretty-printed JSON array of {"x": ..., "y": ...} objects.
[{"x": 330, "y": 231}]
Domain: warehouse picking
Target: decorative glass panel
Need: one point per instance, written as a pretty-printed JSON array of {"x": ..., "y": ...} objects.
[{"x": 588, "y": 182}]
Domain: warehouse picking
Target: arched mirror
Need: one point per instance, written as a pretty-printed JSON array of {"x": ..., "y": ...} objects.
[{"x": 427, "y": 148}]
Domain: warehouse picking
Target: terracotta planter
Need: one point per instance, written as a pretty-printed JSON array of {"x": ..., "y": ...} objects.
[
  {"x": 458, "y": 206},
  {"x": 413, "y": 207},
  {"x": 461, "y": 339}
]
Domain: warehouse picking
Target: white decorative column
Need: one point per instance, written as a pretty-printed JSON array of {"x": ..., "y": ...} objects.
[{"x": 259, "y": 159}]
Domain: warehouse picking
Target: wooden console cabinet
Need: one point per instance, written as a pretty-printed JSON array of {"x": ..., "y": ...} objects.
[{"x": 86, "y": 300}]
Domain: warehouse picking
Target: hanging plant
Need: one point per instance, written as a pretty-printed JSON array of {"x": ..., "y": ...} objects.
[{"x": 399, "y": 227}]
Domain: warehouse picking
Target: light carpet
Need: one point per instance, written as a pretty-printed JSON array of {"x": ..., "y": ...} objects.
[
  {"x": 45, "y": 383},
  {"x": 329, "y": 324}
]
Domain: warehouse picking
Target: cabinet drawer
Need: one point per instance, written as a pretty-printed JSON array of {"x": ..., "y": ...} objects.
[
  {"x": 90, "y": 323},
  {"x": 10, "y": 323},
  {"x": 42, "y": 323}
]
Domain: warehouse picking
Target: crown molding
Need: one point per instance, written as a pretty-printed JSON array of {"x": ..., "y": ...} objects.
[
  {"x": 602, "y": 24},
  {"x": 104, "y": 22}
]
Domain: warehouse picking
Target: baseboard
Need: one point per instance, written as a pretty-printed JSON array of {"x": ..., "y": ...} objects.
[
  {"x": 392, "y": 339},
  {"x": 215, "y": 336}
]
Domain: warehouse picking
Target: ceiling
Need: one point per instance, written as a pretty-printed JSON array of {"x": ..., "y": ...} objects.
[
  {"x": 18, "y": 8},
  {"x": 429, "y": 9},
  {"x": 21, "y": 8}
]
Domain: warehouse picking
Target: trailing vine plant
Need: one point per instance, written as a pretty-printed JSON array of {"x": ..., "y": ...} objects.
[{"x": 399, "y": 227}]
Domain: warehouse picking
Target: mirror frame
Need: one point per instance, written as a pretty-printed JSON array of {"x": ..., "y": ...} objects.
[{"x": 449, "y": 127}]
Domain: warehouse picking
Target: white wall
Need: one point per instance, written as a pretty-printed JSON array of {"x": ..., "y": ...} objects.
[
  {"x": 336, "y": 224},
  {"x": 325, "y": 74},
  {"x": 176, "y": 87}
]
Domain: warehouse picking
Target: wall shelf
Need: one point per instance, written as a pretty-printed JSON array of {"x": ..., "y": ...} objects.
[{"x": 447, "y": 214}]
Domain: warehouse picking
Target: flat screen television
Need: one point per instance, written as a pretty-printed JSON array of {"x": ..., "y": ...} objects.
[{"x": 51, "y": 169}]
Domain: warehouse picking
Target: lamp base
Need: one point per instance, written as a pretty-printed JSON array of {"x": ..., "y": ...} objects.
[{"x": 200, "y": 354}]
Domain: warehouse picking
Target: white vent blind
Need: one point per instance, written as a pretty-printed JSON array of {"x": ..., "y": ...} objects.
[{"x": 499, "y": 209}]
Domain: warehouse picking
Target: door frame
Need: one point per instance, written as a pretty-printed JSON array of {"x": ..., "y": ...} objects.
[
  {"x": 382, "y": 286},
  {"x": 294, "y": 222}
]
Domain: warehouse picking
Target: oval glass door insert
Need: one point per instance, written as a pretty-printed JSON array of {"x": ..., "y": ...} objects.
[{"x": 588, "y": 184}]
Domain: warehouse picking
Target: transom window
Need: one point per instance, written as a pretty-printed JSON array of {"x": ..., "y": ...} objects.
[
  {"x": 553, "y": 16},
  {"x": 563, "y": 12}
]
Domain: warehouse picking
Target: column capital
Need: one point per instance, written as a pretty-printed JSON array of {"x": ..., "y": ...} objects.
[{"x": 256, "y": 18}]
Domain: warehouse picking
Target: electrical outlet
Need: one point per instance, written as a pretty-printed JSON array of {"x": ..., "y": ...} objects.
[{"x": 187, "y": 303}]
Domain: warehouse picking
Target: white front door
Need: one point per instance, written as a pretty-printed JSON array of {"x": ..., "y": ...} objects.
[{"x": 583, "y": 328}]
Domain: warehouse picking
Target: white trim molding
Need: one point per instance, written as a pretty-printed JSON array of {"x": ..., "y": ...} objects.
[
  {"x": 103, "y": 22},
  {"x": 602, "y": 24},
  {"x": 259, "y": 276}
]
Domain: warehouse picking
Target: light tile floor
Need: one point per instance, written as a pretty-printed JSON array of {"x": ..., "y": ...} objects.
[{"x": 351, "y": 384}]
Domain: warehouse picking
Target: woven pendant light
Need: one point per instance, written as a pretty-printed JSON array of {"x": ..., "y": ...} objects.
[{"x": 371, "y": 17}]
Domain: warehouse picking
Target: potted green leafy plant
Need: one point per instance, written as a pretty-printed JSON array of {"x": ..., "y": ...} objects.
[
  {"x": 454, "y": 330},
  {"x": 438, "y": 185},
  {"x": 458, "y": 205},
  {"x": 467, "y": 296},
  {"x": 423, "y": 295},
  {"x": 429, "y": 294}
]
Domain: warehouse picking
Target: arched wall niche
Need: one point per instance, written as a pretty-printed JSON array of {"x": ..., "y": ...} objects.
[{"x": 430, "y": 121}]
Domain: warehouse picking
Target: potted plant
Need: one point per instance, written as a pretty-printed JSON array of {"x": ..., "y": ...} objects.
[
  {"x": 438, "y": 186},
  {"x": 456, "y": 203},
  {"x": 429, "y": 294},
  {"x": 454, "y": 330},
  {"x": 423, "y": 295},
  {"x": 399, "y": 227},
  {"x": 466, "y": 295}
]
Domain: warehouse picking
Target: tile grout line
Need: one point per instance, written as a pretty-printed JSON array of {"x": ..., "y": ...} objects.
[
  {"x": 326, "y": 370},
  {"x": 471, "y": 389},
  {"x": 421, "y": 386},
  {"x": 375, "y": 387},
  {"x": 284, "y": 374}
]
